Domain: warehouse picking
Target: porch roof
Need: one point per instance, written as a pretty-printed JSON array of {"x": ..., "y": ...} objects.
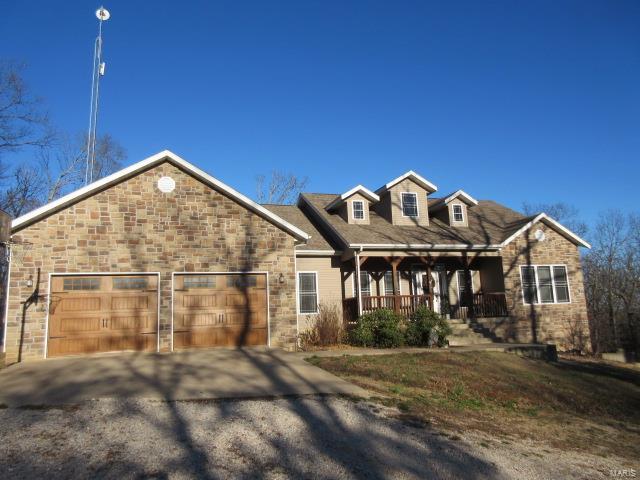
[{"x": 489, "y": 225}]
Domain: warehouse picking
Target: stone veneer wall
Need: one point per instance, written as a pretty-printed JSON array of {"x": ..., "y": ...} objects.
[
  {"x": 133, "y": 227},
  {"x": 561, "y": 323}
]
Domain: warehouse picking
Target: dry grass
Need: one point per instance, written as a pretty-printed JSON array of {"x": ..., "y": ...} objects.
[{"x": 571, "y": 405}]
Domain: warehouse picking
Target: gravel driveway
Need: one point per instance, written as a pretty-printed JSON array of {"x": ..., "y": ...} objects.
[{"x": 304, "y": 437}]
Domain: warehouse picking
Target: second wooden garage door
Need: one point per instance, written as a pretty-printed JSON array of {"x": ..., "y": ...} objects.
[{"x": 219, "y": 310}]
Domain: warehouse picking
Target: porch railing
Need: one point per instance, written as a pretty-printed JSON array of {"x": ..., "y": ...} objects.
[{"x": 483, "y": 305}]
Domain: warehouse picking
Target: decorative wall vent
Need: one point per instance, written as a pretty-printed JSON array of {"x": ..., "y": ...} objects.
[{"x": 166, "y": 184}]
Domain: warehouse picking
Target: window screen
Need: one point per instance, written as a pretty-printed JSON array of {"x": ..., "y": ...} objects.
[
  {"x": 545, "y": 284},
  {"x": 410, "y": 204},
  {"x": 562, "y": 285},
  {"x": 365, "y": 283},
  {"x": 388, "y": 283},
  {"x": 358, "y": 210},
  {"x": 457, "y": 213},
  {"x": 307, "y": 292}
]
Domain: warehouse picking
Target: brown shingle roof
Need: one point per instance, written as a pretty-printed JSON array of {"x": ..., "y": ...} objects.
[
  {"x": 489, "y": 224},
  {"x": 295, "y": 216}
]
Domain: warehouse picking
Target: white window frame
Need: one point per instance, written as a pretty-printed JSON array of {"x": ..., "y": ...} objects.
[
  {"x": 553, "y": 283},
  {"x": 353, "y": 210},
  {"x": 298, "y": 292},
  {"x": 473, "y": 287},
  {"x": 415, "y": 194},
  {"x": 384, "y": 282},
  {"x": 453, "y": 212}
]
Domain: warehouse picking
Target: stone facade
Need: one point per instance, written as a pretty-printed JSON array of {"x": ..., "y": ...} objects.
[
  {"x": 565, "y": 324},
  {"x": 134, "y": 227}
]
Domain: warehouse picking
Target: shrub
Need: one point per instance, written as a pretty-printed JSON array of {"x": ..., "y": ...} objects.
[
  {"x": 326, "y": 327},
  {"x": 427, "y": 328},
  {"x": 380, "y": 328}
]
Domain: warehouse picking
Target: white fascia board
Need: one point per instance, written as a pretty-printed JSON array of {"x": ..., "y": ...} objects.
[
  {"x": 464, "y": 195},
  {"x": 423, "y": 182},
  {"x": 543, "y": 217},
  {"x": 364, "y": 191},
  {"x": 317, "y": 253},
  {"x": 418, "y": 246},
  {"x": 160, "y": 157}
]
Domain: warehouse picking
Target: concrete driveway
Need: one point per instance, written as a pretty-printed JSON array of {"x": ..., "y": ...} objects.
[{"x": 190, "y": 375}]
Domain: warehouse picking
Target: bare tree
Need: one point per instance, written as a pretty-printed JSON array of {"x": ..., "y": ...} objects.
[
  {"x": 612, "y": 282},
  {"x": 22, "y": 121},
  {"x": 564, "y": 213},
  {"x": 63, "y": 167},
  {"x": 281, "y": 188},
  {"x": 24, "y": 192},
  {"x": 59, "y": 169}
]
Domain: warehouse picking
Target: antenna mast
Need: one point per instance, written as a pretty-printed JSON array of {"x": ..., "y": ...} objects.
[{"x": 98, "y": 71}]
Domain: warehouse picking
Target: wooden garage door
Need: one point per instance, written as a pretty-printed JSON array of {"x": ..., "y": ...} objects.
[
  {"x": 102, "y": 313},
  {"x": 219, "y": 310}
]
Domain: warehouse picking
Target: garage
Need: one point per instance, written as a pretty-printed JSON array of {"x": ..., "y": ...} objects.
[
  {"x": 227, "y": 309},
  {"x": 102, "y": 313}
]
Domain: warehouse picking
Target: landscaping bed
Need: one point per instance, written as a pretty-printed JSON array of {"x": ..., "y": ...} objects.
[{"x": 570, "y": 405}]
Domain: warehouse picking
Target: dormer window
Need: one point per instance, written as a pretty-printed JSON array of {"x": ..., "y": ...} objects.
[
  {"x": 458, "y": 213},
  {"x": 358, "y": 209},
  {"x": 409, "y": 204}
]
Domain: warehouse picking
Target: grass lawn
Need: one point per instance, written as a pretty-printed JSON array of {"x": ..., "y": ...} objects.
[{"x": 572, "y": 405}]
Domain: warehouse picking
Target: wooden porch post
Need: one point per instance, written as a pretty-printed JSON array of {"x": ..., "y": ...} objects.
[
  {"x": 356, "y": 282},
  {"x": 466, "y": 262},
  {"x": 394, "y": 280},
  {"x": 429, "y": 263}
]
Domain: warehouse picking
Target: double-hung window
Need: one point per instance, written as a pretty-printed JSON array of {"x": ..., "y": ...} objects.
[
  {"x": 544, "y": 284},
  {"x": 365, "y": 283},
  {"x": 458, "y": 215},
  {"x": 358, "y": 209},
  {"x": 307, "y": 292},
  {"x": 388, "y": 283},
  {"x": 409, "y": 204}
]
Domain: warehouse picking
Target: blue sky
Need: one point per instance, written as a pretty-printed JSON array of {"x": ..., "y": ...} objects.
[{"x": 515, "y": 101}]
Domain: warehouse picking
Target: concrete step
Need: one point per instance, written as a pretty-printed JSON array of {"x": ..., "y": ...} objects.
[{"x": 462, "y": 341}]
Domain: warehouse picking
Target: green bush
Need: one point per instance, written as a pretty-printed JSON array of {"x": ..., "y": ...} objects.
[
  {"x": 427, "y": 328},
  {"x": 380, "y": 328}
]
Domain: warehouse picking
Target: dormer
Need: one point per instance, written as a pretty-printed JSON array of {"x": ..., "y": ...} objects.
[
  {"x": 453, "y": 209},
  {"x": 353, "y": 206},
  {"x": 403, "y": 201}
]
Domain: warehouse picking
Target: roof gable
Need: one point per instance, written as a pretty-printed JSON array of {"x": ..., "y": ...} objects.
[
  {"x": 413, "y": 176},
  {"x": 550, "y": 222},
  {"x": 365, "y": 192},
  {"x": 460, "y": 194},
  {"x": 131, "y": 171}
]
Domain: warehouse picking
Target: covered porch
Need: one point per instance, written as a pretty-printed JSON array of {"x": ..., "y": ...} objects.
[{"x": 458, "y": 285}]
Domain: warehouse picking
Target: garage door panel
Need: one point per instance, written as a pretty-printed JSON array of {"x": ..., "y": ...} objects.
[
  {"x": 137, "y": 323},
  {"x": 219, "y": 310},
  {"x": 80, "y": 304},
  {"x": 200, "y": 300},
  {"x": 129, "y": 302},
  {"x": 113, "y": 313},
  {"x": 219, "y": 337}
]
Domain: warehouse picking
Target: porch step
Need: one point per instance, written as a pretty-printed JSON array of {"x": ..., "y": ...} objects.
[{"x": 463, "y": 334}]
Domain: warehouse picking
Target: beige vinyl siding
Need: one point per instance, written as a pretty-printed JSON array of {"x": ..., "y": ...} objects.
[
  {"x": 453, "y": 285},
  {"x": 329, "y": 290},
  {"x": 408, "y": 186},
  {"x": 452, "y": 222}
]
